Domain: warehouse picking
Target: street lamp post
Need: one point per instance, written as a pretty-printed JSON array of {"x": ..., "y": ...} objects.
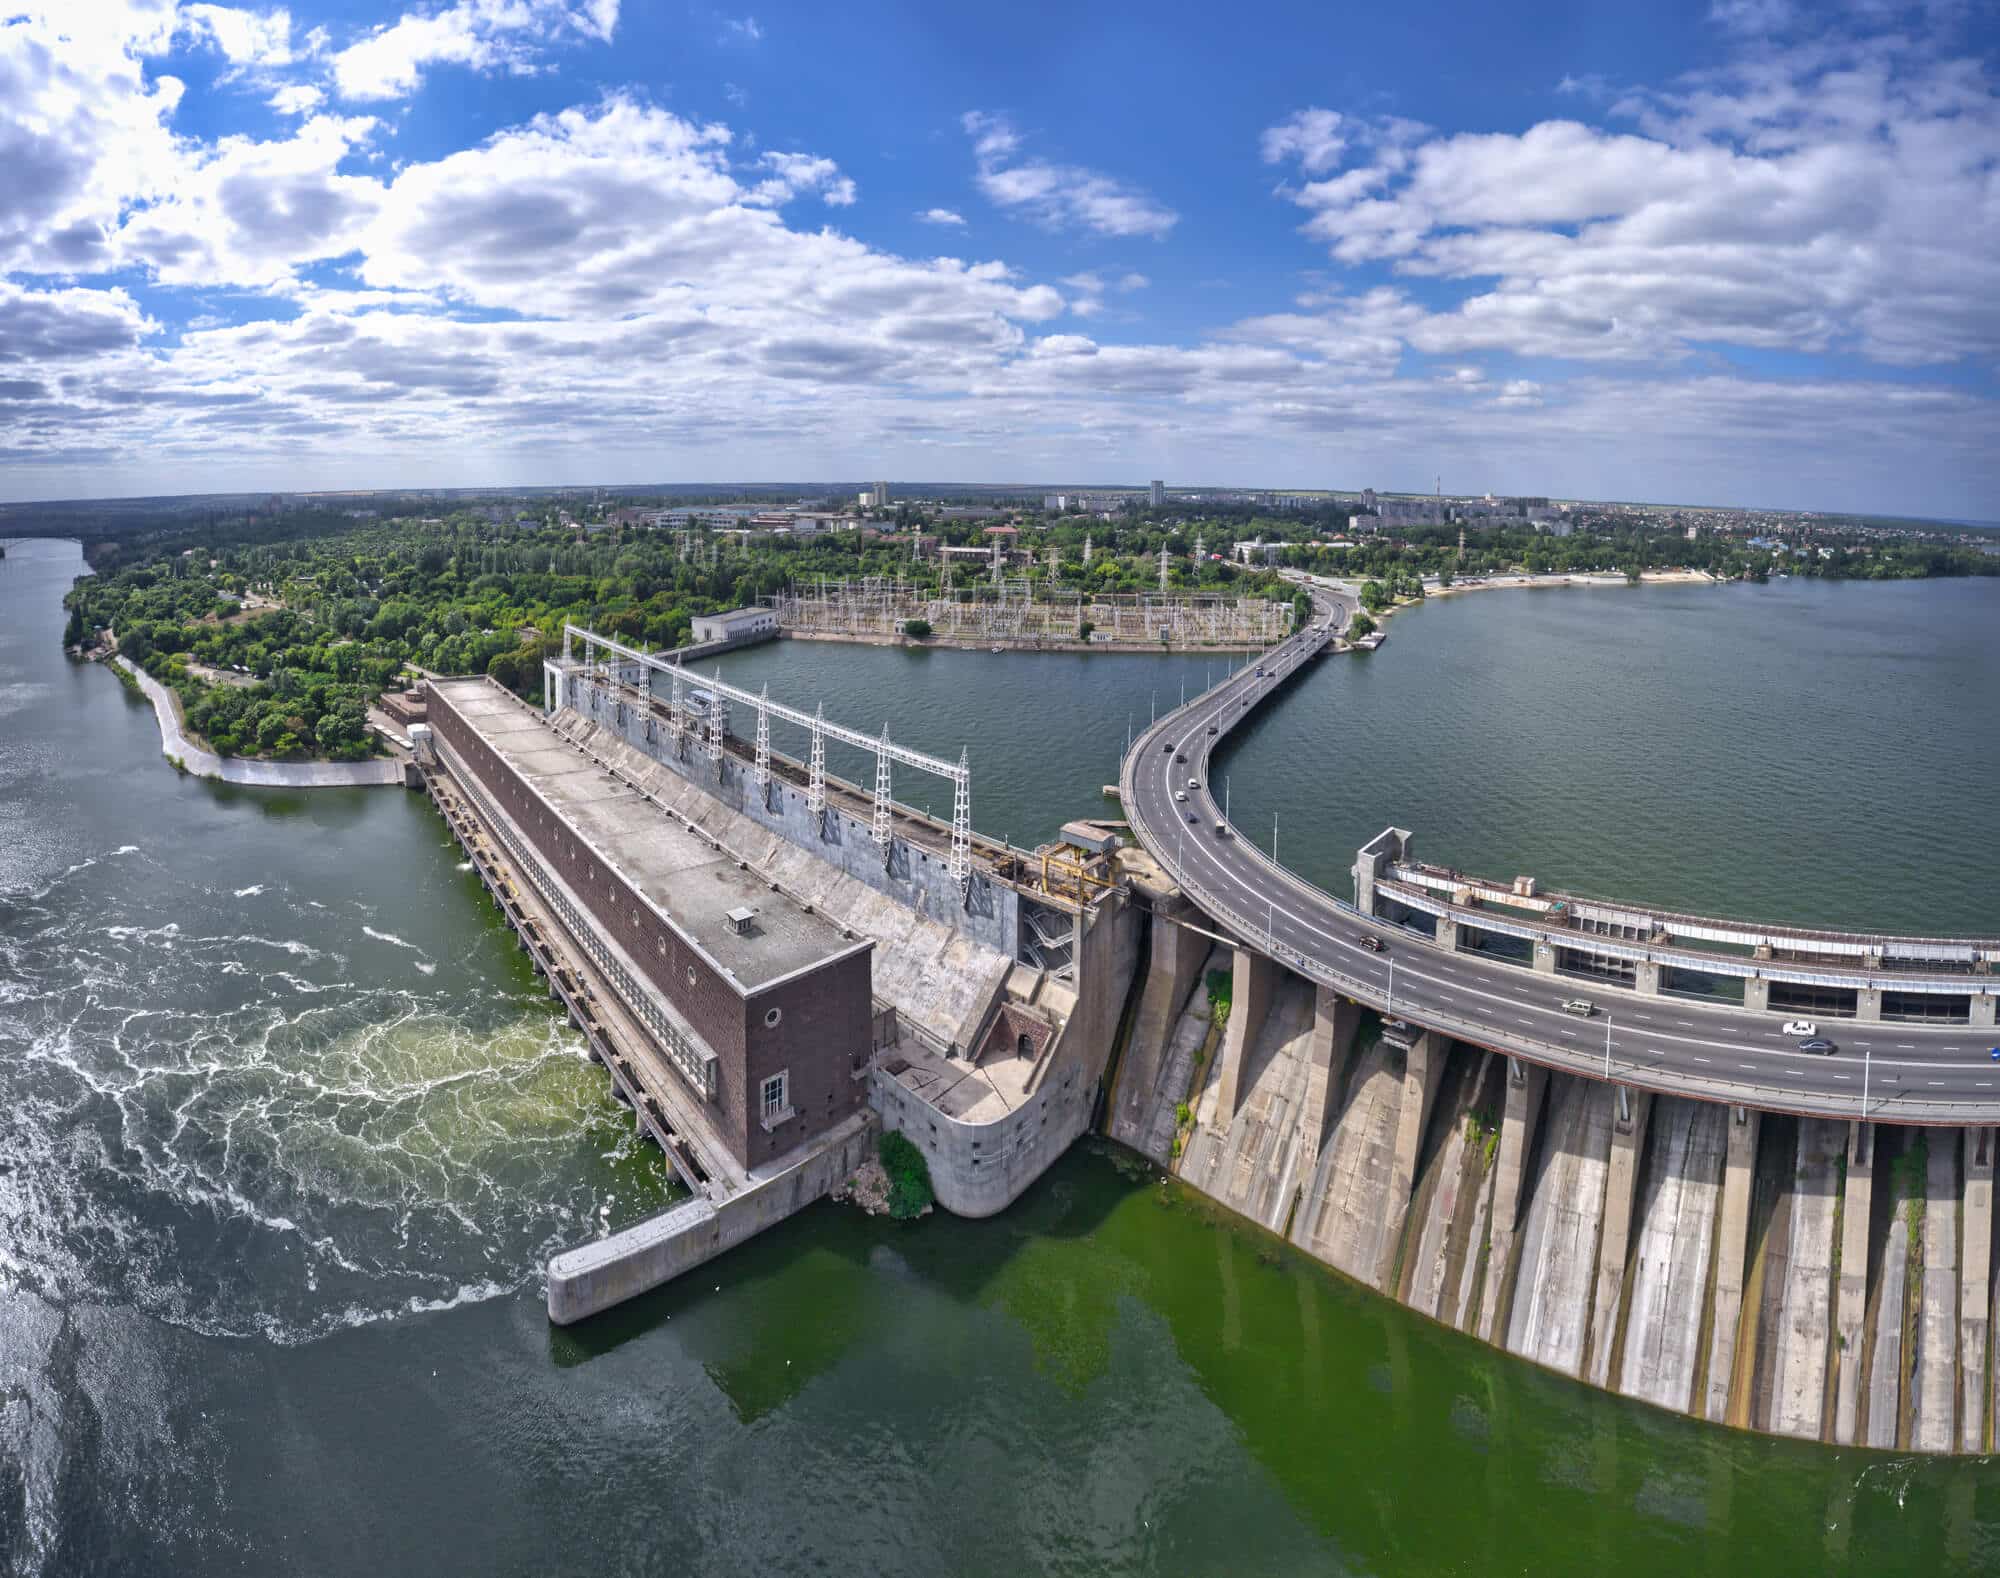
[
  {"x": 1867, "y": 1058},
  {"x": 1607, "y": 1046},
  {"x": 1392, "y": 984},
  {"x": 1274, "y": 838}
]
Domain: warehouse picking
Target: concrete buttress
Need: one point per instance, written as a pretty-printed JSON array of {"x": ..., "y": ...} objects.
[
  {"x": 1422, "y": 1065},
  {"x": 1737, "y": 1170},
  {"x": 1250, "y": 1000},
  {"x": 1628, "y": 1145},
  {"x": 1526, "y": 1083},
  {"x": 1851, "y": 1309},
  {"x": 1975, "y": 1288}
]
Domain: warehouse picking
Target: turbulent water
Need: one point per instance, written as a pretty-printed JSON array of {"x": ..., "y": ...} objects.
[{"x": 287, "y": 1127}]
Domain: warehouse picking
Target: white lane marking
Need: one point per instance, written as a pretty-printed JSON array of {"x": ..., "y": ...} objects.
[
  {"x": 1571, "y": 1034},
  {"x": 1209, "y": 859},
  {"x": 1935, "y": 1082},
  {"x": 1642, "y": 1016},
  {"x": 1685, "y": 1024},
  {"x": 1840, "y": 1076},
  {"x": 1752, "y": 1067},
  {"x": 1983, "y": 1084},
  {"x": 1701, "y": 1060},
  {"x": 1904, "y": 1046},
  {"x": 1528, "y": 1022}
]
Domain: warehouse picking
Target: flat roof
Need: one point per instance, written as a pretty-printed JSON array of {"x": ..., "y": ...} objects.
[
  {"x": 735, "y": 614},
  {"x": 689, "y": 881}
]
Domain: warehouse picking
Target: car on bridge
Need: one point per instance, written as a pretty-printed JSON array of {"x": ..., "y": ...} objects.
[
  {"x": 1800, "y": 1027},
  {"x": 1582, "y": 1007},
  {"x": 1181, "y": 795},
  {"x": 1371, "y": 942},
  {"x": 1817, "y": 1044}
]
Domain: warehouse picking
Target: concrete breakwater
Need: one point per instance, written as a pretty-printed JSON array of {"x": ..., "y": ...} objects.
[{"x": 1827, "y": 1280}]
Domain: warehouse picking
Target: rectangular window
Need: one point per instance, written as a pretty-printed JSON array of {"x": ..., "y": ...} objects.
[{"x": 775, "y": 1102}]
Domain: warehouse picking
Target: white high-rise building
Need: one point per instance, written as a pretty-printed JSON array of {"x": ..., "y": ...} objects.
[{"x": 1159, "y": 493}]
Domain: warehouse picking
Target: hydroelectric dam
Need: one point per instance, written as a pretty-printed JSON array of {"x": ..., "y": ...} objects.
[{"x": 1575, "y": 1128}]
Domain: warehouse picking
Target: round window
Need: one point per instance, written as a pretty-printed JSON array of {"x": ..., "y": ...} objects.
[{"x": 771, "y": 1018}]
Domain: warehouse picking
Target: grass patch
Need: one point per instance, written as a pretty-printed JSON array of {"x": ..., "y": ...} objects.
[
  {"x": 1221, "y": 984},
  {"x": 910, "y": 1192}
]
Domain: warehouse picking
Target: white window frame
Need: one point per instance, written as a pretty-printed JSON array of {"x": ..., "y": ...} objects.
[{"x": 774, "y": 1107}]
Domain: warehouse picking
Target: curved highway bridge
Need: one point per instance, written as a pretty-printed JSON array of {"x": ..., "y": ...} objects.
[{"x": 1908, "y": 1070}]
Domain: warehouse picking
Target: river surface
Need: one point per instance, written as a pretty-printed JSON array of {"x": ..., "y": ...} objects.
[{"x": 287, "y": 1127}]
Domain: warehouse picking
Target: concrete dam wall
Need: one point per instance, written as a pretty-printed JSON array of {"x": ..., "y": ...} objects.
[{"x": 1827, "y": 1280}]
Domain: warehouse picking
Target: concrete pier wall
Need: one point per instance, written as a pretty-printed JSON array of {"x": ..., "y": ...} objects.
[
  {"x": 1449, "y": 1207},
  {"x": 1680, "y": 1197},
  {"x": 1251, "y": 1162},
  {"x": 1550, "y": 1319},
  {"x": 1343, "y": 1217},
  {"x": 593, "y": 1277},
  {"x": 1934, "y": 1375}
]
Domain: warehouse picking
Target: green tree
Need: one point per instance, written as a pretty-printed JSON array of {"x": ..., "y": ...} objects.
[{"x": 917, "y": 629}]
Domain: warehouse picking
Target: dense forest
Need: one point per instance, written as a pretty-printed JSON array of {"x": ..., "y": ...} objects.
[{"x": 276, "y": 640}]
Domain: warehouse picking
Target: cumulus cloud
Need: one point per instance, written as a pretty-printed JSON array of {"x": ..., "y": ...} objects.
[
  {"x": 246, "y": 38},
  {"x": 1312, "y": 136},
  {"x": 615, "y": 284},
  {"x": 1835, "y": 197},
  {"x": 483, "y": 35},
  {"x": 298, "y": 98},
  {"x": 1058, "y": 196}
]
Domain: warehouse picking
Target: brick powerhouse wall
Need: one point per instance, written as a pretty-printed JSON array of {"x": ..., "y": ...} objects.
[{"x": 823, "y": 1029}]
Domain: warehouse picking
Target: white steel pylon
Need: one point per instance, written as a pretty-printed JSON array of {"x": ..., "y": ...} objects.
[
  {"x": 1163, "y": 567},
  {"x": 764, "y": 740},
  {"x": 881, "y": 831},
  {"x": 961, "y": 820},
  {"x": 816, "y": 780},
  {"x": 715, "y": 722},
  {"x": 677, "y": 714}
]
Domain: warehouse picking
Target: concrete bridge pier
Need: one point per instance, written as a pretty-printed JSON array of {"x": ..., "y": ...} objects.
[
  {"x": 1173, "y": 968},
  {"x": 1447, "y": 935},
  {"x": 1253, "y": 976},
  {"x": 1526, "y": 1083},
  {"x": 1621, "y": 1183},
  {"x": 1985, "y": 1009},
  {"x": 1738, "y": 1170},
  {"x": 1545, "y": 958},
  {"x": 1646, "y": 978},
  {"x": 1757, "y": 994},
  {"x": 1868, "y": 1005},
  {"x": 1975, "y": 1287},
  {"x": 1851, "y": 1306},
  {"x": 1422, "y": 1064},
  {"x": 1335, "y": 1020}
]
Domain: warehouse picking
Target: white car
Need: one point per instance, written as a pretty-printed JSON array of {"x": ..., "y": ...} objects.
[
  {"x": 1800, "y": 1027},
  {"x": 1181, "y": 795}
]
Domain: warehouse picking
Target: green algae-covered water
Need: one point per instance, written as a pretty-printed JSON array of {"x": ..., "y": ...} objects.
[{"x": 287, "y": 1127}]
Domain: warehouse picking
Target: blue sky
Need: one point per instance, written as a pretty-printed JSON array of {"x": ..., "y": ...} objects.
[{"x": 1744, "y": 251}]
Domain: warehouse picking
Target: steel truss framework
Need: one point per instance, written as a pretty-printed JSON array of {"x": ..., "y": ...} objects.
[{"x": 635, "y": 667}]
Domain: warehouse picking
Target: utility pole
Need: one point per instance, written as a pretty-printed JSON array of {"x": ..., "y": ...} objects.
[{"x": 1607, "y": 1047}]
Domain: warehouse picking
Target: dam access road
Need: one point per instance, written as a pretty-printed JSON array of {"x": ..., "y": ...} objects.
[{"x": 1883, "y": 1069}]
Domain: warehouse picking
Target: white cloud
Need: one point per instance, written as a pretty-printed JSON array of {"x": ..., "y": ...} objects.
[
  {"x": 246, "y": 38},
  {"x": 482, "y": 35},
  {"x": 298, "y": 98},
  {"x": 1312, "y": 136},
  {"x": 1836, "y": 197},
  {"x": 742, "y": 30},
  {"x": 1133, "y": 281},
  {"x": 794, "y": 173},
  {"x": 1058, "y": 196},
  {"x": 940, "y": 216}
]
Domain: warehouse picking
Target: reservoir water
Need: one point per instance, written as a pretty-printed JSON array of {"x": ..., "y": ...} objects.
[{"x": 286, "y": 1128}]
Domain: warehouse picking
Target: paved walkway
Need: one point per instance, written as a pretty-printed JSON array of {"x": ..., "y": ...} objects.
[{"x": 174, "y": 743}]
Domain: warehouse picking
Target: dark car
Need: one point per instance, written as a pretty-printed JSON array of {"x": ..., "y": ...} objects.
[
  {"x": 1816, "y": 1044},
  {"x": 1211, "y": 728},
  {"x": 1180, "y": 756},
  {"x": 1192, "y": 817}
]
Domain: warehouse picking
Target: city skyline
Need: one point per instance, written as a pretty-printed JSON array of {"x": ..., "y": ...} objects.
[{"x": 1734, "y": 253}]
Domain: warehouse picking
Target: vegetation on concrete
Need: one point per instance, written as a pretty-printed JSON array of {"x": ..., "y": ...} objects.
[
  {"x": 910, "y": 1192},
  {"x": 917, "y": 629},
  {"x": 1221, "y": 984}
]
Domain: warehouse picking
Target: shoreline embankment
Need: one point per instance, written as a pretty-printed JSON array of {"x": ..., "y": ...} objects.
[{"x": 204, "y": 763}]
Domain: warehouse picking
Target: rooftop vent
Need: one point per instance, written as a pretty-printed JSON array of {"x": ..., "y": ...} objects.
[{"x": 739, "y": 920}]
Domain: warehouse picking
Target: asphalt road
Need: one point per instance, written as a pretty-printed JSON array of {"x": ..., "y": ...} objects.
[{"x": 1906, "y": 1073}]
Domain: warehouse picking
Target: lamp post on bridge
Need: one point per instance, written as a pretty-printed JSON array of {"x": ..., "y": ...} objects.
[
  {"x": 1867, "y": 1058},
  {"x": 1392, "y": 986},
  {"x": 1607, "y": 1046}
]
